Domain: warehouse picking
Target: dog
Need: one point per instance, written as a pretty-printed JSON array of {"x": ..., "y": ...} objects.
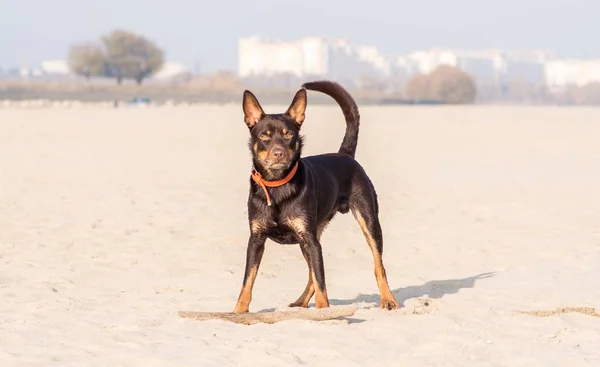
[{"x": 292, "y": 198}]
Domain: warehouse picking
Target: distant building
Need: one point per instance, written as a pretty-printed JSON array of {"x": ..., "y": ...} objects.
[
  {"x": 55, "y": 67},
  {"x": 60, "y": 68},
  {"x": 563, "y": 73},
  {"x": 309, "y": 57},
  {"x": 523, "y": 66},
  {"x": 170, "y": 70},
  {"x": 26, "y": 73},
  {"x": 342, "y": 61},
  {"x": 486, "y": 66},
  {"x": 257, "y": 56}
]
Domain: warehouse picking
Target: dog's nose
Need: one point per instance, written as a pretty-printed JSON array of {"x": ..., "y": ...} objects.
[{"x": 278, "y": 153}]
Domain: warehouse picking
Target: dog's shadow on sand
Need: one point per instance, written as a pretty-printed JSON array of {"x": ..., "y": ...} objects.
[{"x": 434, "y": 289}]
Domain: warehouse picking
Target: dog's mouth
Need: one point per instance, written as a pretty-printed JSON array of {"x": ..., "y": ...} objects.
[{"x": 278, "y": 166}]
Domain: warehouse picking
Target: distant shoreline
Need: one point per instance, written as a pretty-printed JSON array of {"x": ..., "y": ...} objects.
[
  {"x": 164, "y": 93},
  {"x": 44, "y": 92}
]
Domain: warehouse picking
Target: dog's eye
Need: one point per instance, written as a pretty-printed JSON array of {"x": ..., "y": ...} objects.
[
  {"x": 264, "y": 137},
  {"x": 288, "y": 135}
]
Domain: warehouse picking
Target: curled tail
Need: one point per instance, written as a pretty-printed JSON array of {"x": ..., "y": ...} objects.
[{"x": 349, "y": 108}]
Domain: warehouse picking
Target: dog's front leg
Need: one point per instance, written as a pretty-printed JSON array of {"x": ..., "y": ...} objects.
[
  {"x": 254, "y": 253},
  {"x": 310, "y": 244}
]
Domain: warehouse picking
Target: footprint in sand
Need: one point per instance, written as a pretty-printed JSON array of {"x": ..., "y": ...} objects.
[{"x": 419, "y": 306}]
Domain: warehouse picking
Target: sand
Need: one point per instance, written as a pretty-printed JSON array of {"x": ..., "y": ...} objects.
[{"x": 112, "y": 221}]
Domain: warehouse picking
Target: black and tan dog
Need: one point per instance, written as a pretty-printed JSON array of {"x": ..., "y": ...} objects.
[{"x": 292, "y": 199}]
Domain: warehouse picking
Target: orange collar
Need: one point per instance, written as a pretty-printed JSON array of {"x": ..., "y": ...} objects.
[{"x": 257, "y": 177}]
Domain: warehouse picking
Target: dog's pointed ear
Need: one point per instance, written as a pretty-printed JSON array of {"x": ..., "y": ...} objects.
[
  {"x": 298, "y": 107},
  {"x": 252, "y": 109}
]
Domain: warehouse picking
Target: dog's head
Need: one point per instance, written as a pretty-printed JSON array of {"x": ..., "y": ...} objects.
[{"x": 275, "y": 141}]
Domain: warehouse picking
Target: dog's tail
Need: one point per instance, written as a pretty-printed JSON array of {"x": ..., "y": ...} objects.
[{"x": 349, "y": 108}]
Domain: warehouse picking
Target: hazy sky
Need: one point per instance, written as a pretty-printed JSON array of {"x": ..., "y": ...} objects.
[{"x": 206, "y": 32}]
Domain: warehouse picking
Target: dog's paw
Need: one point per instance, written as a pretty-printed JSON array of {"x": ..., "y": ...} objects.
[
  {"x": 298, "y": 304},
  {"x": 239, "y": 309},
  {"x": 389, "y": 304}
]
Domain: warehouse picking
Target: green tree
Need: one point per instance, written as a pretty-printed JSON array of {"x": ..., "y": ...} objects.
[
  {"x": 86, "y": 59},
  {"x": 131, "y": 56}
]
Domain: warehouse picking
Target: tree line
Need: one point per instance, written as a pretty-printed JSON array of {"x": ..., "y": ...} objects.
[
  {"x": 119, "y": 55},
  {"x": 122, "y": 54}
]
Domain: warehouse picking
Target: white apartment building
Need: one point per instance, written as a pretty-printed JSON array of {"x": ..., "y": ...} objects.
[
  {"x": 169, "y": 70},
  {"x": 425, "y": 62},
  {"x": 57, "y": 67},
  {"x": 484, "y": 65},
  {"x": 310, "y": 56},
  {"x": 342, "y": 61},
  {"x": 563, "y": 73},
  {"x": 258, "y": 56}
]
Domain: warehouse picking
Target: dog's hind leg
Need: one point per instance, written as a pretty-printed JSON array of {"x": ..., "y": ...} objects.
[{"x": 364, "y": 209}]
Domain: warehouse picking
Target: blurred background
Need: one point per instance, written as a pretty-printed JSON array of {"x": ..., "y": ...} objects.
[{"x": 386, "y": 52}]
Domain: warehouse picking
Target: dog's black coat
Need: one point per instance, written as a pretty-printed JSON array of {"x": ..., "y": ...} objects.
[{"x": 323, "y": 186}]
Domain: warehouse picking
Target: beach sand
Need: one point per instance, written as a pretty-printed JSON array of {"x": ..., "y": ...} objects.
[{"x": 113, "y": 220}]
